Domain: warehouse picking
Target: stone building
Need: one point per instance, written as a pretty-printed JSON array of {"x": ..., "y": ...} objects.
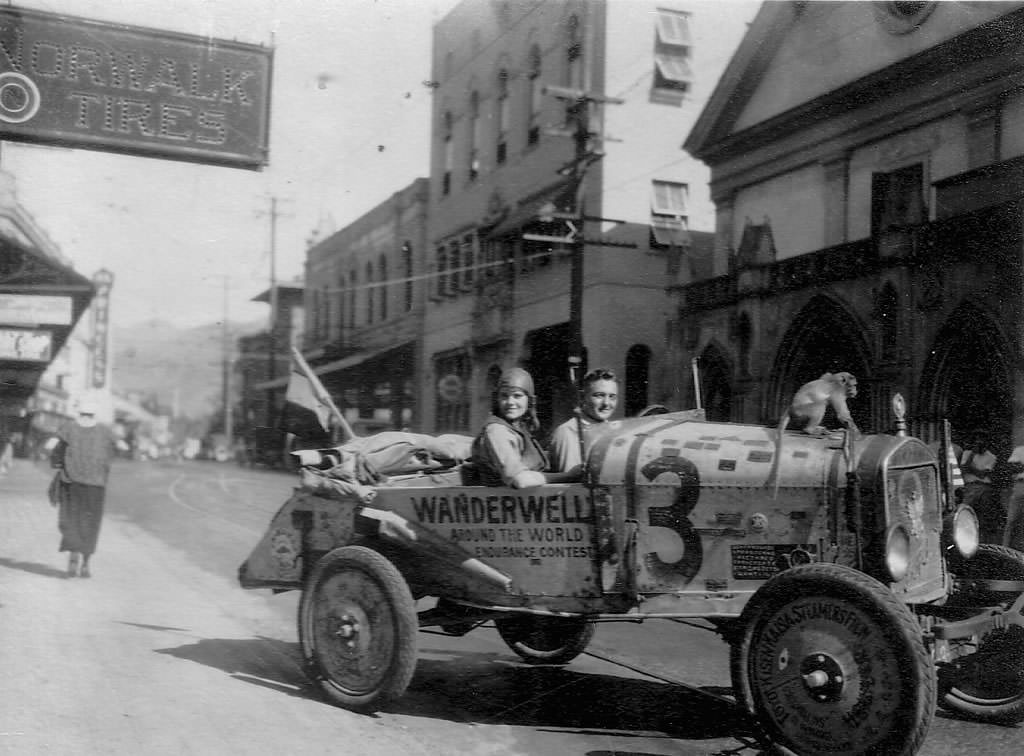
[{"x": 866, "y": 167}]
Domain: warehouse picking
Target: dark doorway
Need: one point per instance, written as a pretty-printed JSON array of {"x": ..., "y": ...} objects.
[
  {"x": 549, "y": 365},
  {"x": 967, "y": 378}
]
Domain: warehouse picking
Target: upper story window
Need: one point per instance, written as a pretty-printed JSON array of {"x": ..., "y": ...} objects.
[
  {"x": 573, "y": 53},
  {"x": 340, "y": 299},
  {"x": 474, "y": 136},
  {"x": 441, "y": 288},
  {"x": 501, "y": 148},
  {"x": 468, "y": 261},
  {"x": 369, "y": 293},
  {"x": 669, "y": 225},
  {"x": 382, "y": 269},
  {"x": 353, "y": 281},
  {"x": 536, "y": 96},
  {"x": 407, "y": 274},
  {"x": 672, "y": 51},
  {"x": 449, "y": 153},
  {"x": 897, "y": 198}
]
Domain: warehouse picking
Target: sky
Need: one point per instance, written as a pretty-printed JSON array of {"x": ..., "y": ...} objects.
[
  {"x": 187, "y": 243},
  {"x": 191, "y": 244}
]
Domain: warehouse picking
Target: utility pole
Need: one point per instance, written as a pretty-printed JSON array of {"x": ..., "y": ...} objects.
[
  {"x": 229, "y": 430},
  {"x": 578, "y": 102},
  {"x": 272, "y": 327}
]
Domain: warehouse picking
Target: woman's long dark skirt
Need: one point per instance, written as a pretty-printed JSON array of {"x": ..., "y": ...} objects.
[{"x": 81, "y": 510}]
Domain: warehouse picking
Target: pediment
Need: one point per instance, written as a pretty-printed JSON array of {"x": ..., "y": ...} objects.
[{"x": 799, "y": 55}]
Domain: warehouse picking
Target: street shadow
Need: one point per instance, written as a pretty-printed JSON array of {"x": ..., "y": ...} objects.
[
  {"x": 34, "y": 568},
  {"x": 265, "y": 662},
  {"x": 491, "y": 691}
]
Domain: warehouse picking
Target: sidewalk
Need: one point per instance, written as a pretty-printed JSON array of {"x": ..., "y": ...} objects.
[{"x": 147, "y": 656}]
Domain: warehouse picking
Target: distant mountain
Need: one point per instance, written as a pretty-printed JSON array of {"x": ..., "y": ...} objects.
[{"x": 178, "y": 366}]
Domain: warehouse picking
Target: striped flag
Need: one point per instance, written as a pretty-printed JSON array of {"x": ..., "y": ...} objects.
[{"x": 306, "y": 413}]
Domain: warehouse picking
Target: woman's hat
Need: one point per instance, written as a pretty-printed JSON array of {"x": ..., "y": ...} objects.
[{"x": 516, "y": 378}]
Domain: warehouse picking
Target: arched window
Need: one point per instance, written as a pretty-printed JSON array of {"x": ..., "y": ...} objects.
[
  {"x": 407, "y": 272},
  {"x": 573, "y": 53},
  {"x": 501, "y": 148},
  {"x": 449, "y": 153},
  {"x": 369, "y": 292},
  {"x": 353, "y": 281},
  {"x": 536, "y": 96},
  {"x": 382, "y": 268},
  {"x": 339, "y": 297},
  {"x": 638, "y": 378},
  {"x": 474, "y": 136}
]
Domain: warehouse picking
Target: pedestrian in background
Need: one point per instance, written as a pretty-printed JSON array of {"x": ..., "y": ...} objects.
[
  {"x": 84, "y": 453},
  {"x": 1013, "y": 536},
  {"x": 977, "y": 465}
]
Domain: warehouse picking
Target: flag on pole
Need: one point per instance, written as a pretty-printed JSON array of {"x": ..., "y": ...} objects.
[{"x": 305, "y": 411}]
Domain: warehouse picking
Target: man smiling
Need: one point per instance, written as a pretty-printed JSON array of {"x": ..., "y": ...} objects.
[{"x": 599, "y": 398}]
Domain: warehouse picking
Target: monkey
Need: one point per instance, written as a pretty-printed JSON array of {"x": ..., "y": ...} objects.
[{"x": 807, "y": 410}]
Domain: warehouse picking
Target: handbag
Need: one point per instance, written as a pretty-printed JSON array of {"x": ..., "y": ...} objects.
[{"x": 56, "y": 487}]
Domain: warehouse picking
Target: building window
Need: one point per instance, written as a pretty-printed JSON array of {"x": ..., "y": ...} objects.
[
  {"x": 536, "y": 97},
  {"x": 382, "y": 267},
  {"x": 897, "y": 198},
  {"x": 501, "y": 149},
  {"x": 340, "y": 298},
  {"x": 407, "y": 271},
  {"x": 353, "y": 281},
  {"x": 449, "y": 154},
  {"x": 452, "y": 380},
  {"x": 672, "y": 76},
  {"x": 468, "y": 262},
  {"x": 455, "y": 271},
  {"x": 474, "y": 136},
  {"x": 442, "y": 271},
  {"x": 573, "y": 53},
  {"x": 370, "y": 289},
  {"x": 669, "y": 227}
]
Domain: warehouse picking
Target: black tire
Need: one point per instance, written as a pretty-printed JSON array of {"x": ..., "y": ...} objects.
[
  {"x": 540, "y": 639},
  {"x": 828, "y": 661},
  {"x": 983, "y": 679},
  {"x": 358, "y": 628}
]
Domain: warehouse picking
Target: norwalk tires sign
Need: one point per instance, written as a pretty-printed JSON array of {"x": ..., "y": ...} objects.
[{"x": 80, "y": 83}]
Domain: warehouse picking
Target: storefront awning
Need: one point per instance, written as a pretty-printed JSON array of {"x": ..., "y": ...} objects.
[
  {"x": 34, "y": 282},
  {"x": 344, "y": 363}
]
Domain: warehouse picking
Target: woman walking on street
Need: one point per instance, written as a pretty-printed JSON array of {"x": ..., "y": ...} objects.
[{"x": 84, "y": 454}]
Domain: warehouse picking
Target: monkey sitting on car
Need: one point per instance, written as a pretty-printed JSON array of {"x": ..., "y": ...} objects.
[{"x": 807, "y": 410}]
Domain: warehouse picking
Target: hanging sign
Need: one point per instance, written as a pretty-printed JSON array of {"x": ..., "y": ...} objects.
[
  {"x": 25, "y": 345},
  {"x": 80, "y": 83}
]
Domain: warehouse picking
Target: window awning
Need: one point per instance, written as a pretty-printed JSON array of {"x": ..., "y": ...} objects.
[
  {"x": 670, "y": 232},
  {"x": 674, "y": 68},
  {"x": 561, "y": 197}
]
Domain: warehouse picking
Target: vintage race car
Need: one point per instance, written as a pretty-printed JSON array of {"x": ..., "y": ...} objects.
[{"x": 851, "y": 589}]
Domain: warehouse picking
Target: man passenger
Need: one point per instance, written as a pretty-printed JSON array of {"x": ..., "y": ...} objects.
[{"x": 598, "y": 399}]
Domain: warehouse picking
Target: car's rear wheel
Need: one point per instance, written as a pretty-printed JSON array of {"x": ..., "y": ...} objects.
[{"x": 358, "y": 628}]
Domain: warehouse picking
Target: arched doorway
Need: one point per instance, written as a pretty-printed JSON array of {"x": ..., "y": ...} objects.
[
  {"x": 824, "y": 338},
  {"x": 715, "y": 383},
  {"x": 967, "y": 379}
]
